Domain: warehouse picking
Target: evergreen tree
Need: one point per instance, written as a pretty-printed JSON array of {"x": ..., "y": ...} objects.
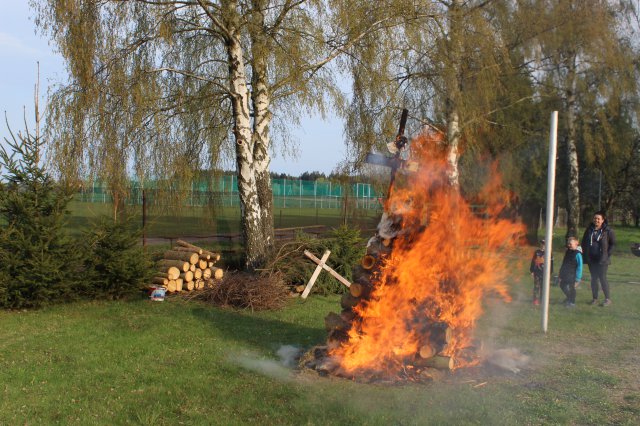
[
  {"x": 115, "y": 263},
  {"x": 38, "y": 261}
]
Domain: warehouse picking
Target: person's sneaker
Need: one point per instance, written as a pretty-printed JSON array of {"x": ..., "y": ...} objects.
[
  {"x": 570, "y": 305},
  {"x": 606, "y": 302},
  {"x": 536, "y": 302},
  {"x": 594, "y": 302}
]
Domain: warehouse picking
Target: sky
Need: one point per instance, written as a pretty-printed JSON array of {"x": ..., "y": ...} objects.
[{"x": 320, "y": 143}]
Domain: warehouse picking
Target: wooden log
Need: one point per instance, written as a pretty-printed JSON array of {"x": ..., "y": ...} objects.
[
  {"x": 442, "y": 332},
  {"x": 189, "y": 245},
  {"x": 359, "y": 289},
  {"x": 206, "y": 274},
  {"x": 348, "y": 315},
  {"x": 334, "y": 321},
  {"x": 199, "y": 284},
  {"x": 166, "y": 264},
  {"x": 368, "y": 262},
  {"x": 187, "y": 276},
  {"x": 160, "y": 280},
  {"x": 162, "y": 274},
  {"x": 188, "y": 286},
  {"x": 300, "y": 288},
  {"x": 192, "y": 267},
  {"x": 172, "y": 273},
  {"x": 171, "y": 286},
  {"x": 359, "y": 273},
  {"x": 186, "y": 249},
  {"x": 440, "y": 362},
  {"x": 210, "y": 265},
  {"x": 218, "y": 273},
  {"x": 197, "y": 274},
  {"x": 202, "y": 264},
  {"x": 348, "y": 301},
  {"x": 212, "y": 255},
  {"x": 190, "y": 257},
  {"x": 205, "y": 256},
  {"x": 426, "y": 351},
  {"x": 179, "y": 284}
]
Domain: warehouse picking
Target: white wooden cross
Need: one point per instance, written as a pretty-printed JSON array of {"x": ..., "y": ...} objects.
[{"x": 321, "y": 265}]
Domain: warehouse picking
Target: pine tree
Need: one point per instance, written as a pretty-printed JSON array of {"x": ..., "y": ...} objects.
[{"x": 37, "y": 259}]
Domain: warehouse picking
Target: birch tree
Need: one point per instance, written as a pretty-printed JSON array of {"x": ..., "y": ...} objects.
[
  {"x": 159, "y": 88},
  {"x": 446, "y": 65},
  {"x": 578, "y": 57}
]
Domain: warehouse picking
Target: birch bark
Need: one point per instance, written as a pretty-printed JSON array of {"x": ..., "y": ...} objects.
[{"x": 573, "y": 216}]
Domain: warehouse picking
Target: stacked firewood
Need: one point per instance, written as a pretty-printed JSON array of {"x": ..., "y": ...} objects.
[{"x": 187, "y": 267}]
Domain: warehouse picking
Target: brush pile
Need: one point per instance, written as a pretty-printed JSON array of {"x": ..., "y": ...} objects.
[{"x": 246, "y": 291}]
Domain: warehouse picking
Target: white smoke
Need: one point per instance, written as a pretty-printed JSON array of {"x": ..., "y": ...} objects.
[{"x": 280, "y": 369}]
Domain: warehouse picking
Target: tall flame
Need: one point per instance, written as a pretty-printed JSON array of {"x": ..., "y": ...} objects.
[{"x": 445, "y": 259}]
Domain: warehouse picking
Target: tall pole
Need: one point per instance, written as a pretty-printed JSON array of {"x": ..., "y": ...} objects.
[{"x": 551, "y": 185}]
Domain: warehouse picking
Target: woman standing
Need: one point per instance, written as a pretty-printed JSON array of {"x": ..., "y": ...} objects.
[{"x": 597, "y": 245}]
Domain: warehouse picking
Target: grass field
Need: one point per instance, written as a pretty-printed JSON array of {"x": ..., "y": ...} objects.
[{"x": 177, "y": 362}]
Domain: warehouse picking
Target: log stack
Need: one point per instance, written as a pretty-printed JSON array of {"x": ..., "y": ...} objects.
[{"x": 187, "y": 267}]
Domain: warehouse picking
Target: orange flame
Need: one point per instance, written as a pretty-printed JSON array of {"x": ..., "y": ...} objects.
[{"x": 445, "y": 259}]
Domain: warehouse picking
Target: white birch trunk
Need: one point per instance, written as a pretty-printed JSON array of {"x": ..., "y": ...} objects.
[
  {"x": 453, "y": 154},
  {"x": 247, "y": 189},
  {"x": 454, "y": 93},
  {"x": 573, "y": 189},
  {"x": 261, "y": 99}
]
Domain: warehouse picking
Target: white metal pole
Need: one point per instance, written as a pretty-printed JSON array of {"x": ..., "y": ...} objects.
[{"x": 551, "y": 185}]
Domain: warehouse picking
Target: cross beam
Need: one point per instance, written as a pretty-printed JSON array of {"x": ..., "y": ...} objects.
[{"x": 321, "y": 265}]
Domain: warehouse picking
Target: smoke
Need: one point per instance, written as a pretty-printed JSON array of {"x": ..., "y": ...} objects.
[
  {"x": 280, "y": 369},
  {"x": 289, "y": 355},
  {"x": 510, "y": 359}
]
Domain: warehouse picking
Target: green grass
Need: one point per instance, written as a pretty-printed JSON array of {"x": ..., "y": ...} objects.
[{"x": 175, "y": 362}]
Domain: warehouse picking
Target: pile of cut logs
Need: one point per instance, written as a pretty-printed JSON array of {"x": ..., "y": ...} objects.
[{"x": 187, "y": 267}]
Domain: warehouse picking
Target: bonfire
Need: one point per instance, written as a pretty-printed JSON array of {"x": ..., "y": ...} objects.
[{"x": 419, "y": 292}]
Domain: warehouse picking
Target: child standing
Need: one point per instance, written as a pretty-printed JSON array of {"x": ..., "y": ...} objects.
[
  {"x": 537, "y": 269},
  {"x": 571, "y": 271}
]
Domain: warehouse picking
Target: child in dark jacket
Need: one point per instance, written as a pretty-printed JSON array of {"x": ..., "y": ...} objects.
[
  {"x": 537, "y": 270},
  {"x": 571, "y": 271}
]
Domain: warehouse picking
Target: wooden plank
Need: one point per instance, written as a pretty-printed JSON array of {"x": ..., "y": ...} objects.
[
  {"x": 328, "y": 269},
  {"x": 315, "y": 274}
]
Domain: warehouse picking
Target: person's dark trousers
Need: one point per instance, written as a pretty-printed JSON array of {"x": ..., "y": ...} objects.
[
  {"x": 569, "y": 290},
  {"x": 599, "y": 273},
  {"x": 537, "y": 287}
]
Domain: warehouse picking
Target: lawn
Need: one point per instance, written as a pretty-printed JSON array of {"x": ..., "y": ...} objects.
[{"x": 180, "y": 362}]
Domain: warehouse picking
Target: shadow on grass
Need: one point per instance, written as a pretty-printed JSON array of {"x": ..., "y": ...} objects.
[{"x": 258, "y": 331}]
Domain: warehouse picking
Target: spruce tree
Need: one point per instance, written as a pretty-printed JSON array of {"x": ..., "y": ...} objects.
[
  {"x": 37, "y": 259},
  {"x": 115, "y": 264}
]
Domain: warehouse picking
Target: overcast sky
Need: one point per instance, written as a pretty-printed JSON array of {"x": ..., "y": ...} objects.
[{"x": 320, "y": 143}]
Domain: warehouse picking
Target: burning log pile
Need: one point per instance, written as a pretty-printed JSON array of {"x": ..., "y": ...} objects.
[
  {"x": 418, "y": 291},
  {"x": 187, "y": 267}
]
